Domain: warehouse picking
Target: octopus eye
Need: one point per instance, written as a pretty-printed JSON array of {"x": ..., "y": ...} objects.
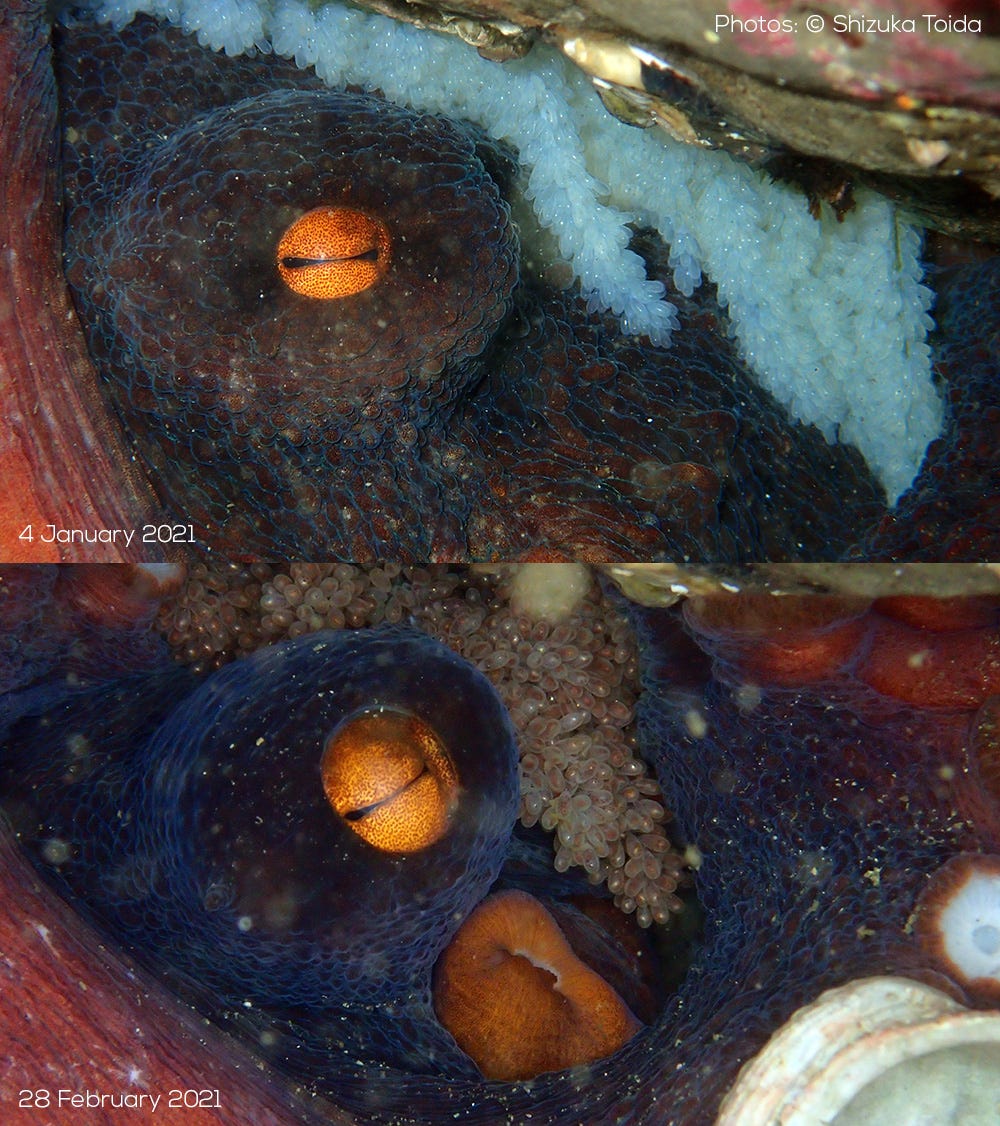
[
  {"x": 391, "y": 778},
  {"x": 333, "y": 252}
]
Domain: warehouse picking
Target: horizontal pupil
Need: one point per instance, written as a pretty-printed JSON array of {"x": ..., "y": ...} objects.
[
  {"x": 358, "y": 814},
  {"x": 301, "y": 263}
]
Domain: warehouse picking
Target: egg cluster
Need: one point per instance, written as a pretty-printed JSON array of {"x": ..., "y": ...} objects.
[
  {"x": 570, "y": 686},
  {"x": 831, "y": 314}
]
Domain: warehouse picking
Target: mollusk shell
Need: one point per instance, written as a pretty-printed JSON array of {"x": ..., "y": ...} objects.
[{"x": 879, "y": 1049}]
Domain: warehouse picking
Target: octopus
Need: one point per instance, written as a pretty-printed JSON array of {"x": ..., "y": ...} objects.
[
  {"x": 820, "y": 778},
  {"x": 457, "y": 405}
]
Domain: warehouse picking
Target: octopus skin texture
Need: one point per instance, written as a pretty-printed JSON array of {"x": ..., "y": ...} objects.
[
  {"x": 544, "y": 433},
  {"x": 315, "y": 916},
  {"x": 953, "y": 510},
  {"x": 194, "y": 867},
  {"x": 63, "y": 459},
  {"x": 485, "y": 415},
  {"x": 821, "y": 798}
]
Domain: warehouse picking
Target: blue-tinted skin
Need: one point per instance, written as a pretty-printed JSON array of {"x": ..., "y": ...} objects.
[
  {"x": 817, "y": 829},
  {"x": 200, "y": 834},
  {"x": 819, "y": 821}
]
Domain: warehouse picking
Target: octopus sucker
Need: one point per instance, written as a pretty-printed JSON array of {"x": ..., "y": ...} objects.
[{"x": 162, "y": 814}]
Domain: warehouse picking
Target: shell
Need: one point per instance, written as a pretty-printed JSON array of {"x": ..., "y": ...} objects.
[{"x": 879, "y": 1049}]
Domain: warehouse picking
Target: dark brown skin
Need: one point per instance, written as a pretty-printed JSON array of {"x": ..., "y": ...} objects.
[
  {"x": 61, "y": 460},
  {"x": 728, "y": 491},
  {"x": 511, "y": 422}
]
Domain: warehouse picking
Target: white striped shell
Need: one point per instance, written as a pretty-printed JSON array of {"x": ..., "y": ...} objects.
[{"x": 877, "y": 1050}]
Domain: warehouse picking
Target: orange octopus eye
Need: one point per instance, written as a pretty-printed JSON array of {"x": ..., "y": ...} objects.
[
  {"x": 333, "y": 252},
  {"x": 391, "y": 778}
]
